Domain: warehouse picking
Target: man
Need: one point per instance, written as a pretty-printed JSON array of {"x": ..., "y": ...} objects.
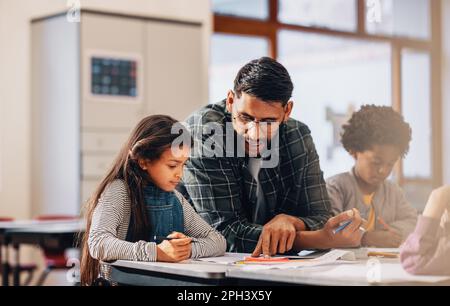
[{"x": 271, "y": 199}]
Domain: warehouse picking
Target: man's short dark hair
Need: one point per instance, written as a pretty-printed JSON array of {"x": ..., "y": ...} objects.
[
  {"x": 265, "y": 79},
  {"x": 376, "y": 125}
]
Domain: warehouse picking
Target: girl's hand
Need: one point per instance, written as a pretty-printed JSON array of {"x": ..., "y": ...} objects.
[
  {"x": 175, "y": 250},
  {"x": 438, "y": 202}
]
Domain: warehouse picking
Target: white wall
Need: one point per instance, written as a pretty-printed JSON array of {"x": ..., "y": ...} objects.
[
  {"x": 446, "y": 88},
  {"x": 15, "y": 108}
]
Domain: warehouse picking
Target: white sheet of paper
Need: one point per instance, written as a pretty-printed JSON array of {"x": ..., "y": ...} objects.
[
  {"x": 325, "y": 259},
  {"x": 306, "y": 253},
  {"x": 328, "y": 258},
  {"x": 384, "y": 250},
  {"x": 383, "y": 273},
  {"x": 227, "y": 259}
]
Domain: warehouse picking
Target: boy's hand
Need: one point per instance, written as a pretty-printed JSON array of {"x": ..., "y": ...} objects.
[
  {"x": 382, "y": 239},
  {"x": 175, "y": 250},
  {"x": 386, "y": 238}
]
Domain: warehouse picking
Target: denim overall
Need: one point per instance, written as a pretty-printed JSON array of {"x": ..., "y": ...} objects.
[{"x": 164, "y": 213}]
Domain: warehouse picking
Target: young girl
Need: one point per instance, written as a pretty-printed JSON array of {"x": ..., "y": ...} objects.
[
  {"x": 427, "y": 250},
  {"x": 377, "y": 137},
  {"x": 137, "y": 202}
]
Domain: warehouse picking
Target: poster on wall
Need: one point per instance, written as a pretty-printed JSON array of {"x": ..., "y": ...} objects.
[{"x": 113, "y": 76}]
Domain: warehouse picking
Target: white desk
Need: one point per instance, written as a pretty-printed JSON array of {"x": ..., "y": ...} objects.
[
  {"x": 190, "y": 273},
  {"x": 357, "y": 273},
  {"x": 388, "y": 272},
  {"x": 58, "y": 234}
]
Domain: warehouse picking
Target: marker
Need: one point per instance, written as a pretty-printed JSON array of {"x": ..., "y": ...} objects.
[
  {"x": 162, "y": 238},
  {"x": 344, "y": 225}
]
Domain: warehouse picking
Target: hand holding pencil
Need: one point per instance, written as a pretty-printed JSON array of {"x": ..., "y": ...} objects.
[
  {"x": 345, "y": 229},
  {"x": 175, "y": 247}
]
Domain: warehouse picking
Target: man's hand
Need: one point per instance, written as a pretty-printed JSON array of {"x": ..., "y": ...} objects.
[
  {"x": 277, "y": 236},
  {"x": 350, "y": 236}
]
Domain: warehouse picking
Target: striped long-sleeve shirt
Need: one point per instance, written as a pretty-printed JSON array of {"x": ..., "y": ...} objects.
[{"x": 110, "y": 225}]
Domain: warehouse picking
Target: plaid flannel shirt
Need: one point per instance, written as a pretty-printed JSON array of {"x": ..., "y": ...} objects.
[{"x": 223, "y": 191}]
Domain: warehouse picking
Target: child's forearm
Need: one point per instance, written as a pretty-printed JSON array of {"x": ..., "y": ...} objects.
[
  {"x": 436, "y": 205},
  {"x": 211, "y": 246}
]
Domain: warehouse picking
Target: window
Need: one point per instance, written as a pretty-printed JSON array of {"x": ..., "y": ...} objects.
[
  {"x": 228, "y": 54},
  {"x": 417, "y": 111},
  {"x": 342, "y": 54},
  {"x": 332, "y": 78},
  {"x": 333, "y": 14},
  {"x": 258, "y": 9},
  {"x": 409, "y": 18}
]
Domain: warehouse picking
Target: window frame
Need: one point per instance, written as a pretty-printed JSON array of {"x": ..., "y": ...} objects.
[{"x": 270, "y": 27}]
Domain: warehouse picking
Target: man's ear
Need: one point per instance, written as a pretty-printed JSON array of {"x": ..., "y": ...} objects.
[
  {"x": 288, "y": 110},
  {"x": 230, "y": 101}
]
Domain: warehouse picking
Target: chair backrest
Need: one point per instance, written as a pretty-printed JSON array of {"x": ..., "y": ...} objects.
[
  {"x": 56, "y": 218},
  {"x": 6, "y": 219},
  {"x": 55, "y": 258}
]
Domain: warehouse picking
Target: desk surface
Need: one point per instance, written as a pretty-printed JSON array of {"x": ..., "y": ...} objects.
[
  {"x": 48, "y": 228},
  {"x": 30, "y": 230},
  {"x": 371, "y": 272},
  {"x": 188, "y": 268},
  {"x": 342, "y": 273},
  {"x": 40, "y": 225}
]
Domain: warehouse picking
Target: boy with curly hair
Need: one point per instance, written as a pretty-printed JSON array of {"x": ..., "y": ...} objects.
[{"x": 376, "y": 137}]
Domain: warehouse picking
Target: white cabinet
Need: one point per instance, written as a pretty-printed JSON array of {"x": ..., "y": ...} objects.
[
  {"x": 77, "y": 130},
  {"x": 102, "y": 142}
]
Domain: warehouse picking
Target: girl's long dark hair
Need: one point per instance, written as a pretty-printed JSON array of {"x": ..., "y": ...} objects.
[{"x": 149, "y": 139}]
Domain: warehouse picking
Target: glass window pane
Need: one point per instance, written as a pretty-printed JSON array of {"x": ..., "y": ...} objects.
[
  {"x": 333, "y": 77},
  {"x": 333, "y": 14},
  {"x": 417, "y": 193},
  {"x": 228, "y": 54},
  {"x": 258, "y": 9},
  {"x": 417, "y": 112},
  {"x": 409, "y": 18}
]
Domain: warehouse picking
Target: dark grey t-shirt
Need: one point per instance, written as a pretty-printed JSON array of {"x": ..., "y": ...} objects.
[{"x": 260, "y": 211}]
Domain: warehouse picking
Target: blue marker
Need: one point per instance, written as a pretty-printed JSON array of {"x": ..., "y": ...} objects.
[
  {"x": 160, "y": 239},
  {"x": 344, "y": 225}
]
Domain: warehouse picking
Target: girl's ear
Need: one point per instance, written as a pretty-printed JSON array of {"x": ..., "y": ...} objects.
[
  {"x": 143, "y": 163},
  {"x": 354, "y": 154}
]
